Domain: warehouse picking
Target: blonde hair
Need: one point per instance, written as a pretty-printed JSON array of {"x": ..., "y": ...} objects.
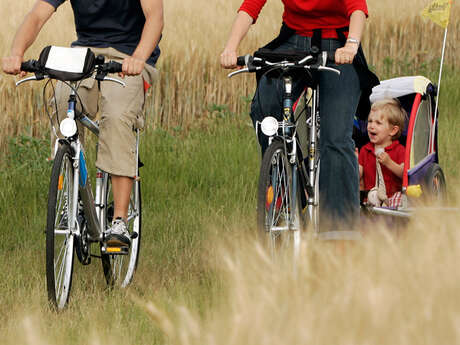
[{"x": 392, "y": 110}]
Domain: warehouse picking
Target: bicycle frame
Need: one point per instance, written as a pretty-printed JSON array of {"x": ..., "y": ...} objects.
[{"x": 287, "y": 133}]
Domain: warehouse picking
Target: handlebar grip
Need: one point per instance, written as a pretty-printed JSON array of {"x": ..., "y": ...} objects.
[
  {"x": 30, "y": 66},
  {"x": 113, "y": 67},
  {"x": 241, "y": 61}
]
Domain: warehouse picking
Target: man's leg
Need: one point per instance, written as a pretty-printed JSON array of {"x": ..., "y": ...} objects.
[
  {"x": 121, "y": 186},
  {"x": 121, "y": 115}
]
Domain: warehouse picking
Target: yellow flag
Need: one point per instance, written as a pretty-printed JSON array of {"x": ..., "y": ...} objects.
[{"x": 438, "y": 11}]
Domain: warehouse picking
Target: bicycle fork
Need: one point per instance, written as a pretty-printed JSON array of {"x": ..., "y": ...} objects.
[
  {"x": 313, "y": 158},
  {"x": 82, "y": 184}
]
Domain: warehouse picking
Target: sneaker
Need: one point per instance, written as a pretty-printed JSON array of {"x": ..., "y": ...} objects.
[{"x": 118, "y": 234}]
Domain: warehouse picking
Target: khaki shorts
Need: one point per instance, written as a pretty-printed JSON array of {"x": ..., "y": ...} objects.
[{"x": 121, "y": 113}]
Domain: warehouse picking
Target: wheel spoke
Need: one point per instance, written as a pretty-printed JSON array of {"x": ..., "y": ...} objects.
[{"x": 62, "y": 265}]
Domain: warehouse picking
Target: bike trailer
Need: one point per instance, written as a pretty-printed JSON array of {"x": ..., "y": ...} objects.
[{"x": 423, "y": 178}]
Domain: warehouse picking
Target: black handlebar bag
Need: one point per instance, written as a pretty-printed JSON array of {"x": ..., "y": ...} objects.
[{"x": 67, "y": 64}]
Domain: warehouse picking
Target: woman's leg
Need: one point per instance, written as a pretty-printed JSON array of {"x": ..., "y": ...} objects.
[{"x": 339, "y": 183}]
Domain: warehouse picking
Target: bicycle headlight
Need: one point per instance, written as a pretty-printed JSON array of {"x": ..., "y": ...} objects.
[
  {"x": 68, "y": 127},
  {"x": 269, "y": 126}
]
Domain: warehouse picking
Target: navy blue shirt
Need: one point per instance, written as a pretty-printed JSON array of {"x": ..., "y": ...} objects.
[{"x": 109, "y": 23}]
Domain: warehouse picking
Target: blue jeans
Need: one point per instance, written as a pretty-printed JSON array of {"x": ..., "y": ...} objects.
[{"x": 339, "y": 97}]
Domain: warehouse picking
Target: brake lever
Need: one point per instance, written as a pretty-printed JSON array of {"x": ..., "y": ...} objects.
[
  {"x": 330, "y": 69},
  {"x": 122, "y": 83},
  {"x": 243, "y": 70},
  {"x": 35, "y": 77},
  {"x": 305, "y": 59}
]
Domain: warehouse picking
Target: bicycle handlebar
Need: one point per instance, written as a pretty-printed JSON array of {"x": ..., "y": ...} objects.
[
  {"x": 111, "y": 67},
  {"x": 101, "y": 69},
  {"x": 313, "y": 62},
  {"x": 241, "y": 60},
  {"x": 32, "y": 66}
]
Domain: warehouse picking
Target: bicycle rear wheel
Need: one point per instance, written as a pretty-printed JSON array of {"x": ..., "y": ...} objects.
[
  {"x": 59, "y": 236},
  {"x": 434, "y": 185},
  {"x": 119, "y": 269},
  {"x": 278, "y": 206}
]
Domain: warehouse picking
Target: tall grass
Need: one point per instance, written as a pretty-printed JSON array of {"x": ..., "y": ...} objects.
[
  {"x": 384, "y": 290},
  {"x": 397, "y": 41}
]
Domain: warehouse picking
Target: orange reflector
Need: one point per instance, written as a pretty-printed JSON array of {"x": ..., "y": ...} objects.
[
  {"x": 269, "y": 197},
  {"x": 113, "y": 249},
  {"x": 60, "y": 182}
]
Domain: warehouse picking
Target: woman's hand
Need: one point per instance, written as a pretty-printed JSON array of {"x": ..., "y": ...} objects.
[
  {"x": 346, "y": 54},
  {"x": 243, "y": 22},
  {"x": 228, "y": 59}
]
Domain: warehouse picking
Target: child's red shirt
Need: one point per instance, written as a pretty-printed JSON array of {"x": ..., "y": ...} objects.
[{"x": 367, "y": 158}]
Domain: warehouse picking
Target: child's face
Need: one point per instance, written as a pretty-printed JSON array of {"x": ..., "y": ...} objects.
[{"x": 380, "y": 131}]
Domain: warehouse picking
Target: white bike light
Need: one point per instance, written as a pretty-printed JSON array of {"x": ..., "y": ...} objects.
[
  {"x": 68, "y": 127},
  {"x": 269, "y": 126}
]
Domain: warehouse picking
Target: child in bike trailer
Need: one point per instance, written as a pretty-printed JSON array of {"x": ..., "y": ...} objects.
[
  {"x": 124, "y": 31},
  {"x": 381, "y": 161}
]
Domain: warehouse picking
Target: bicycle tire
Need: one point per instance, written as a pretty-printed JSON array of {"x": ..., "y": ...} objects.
[
  {"x": 277, "y": 225},
  {"x": 312, "y": 211},
  {"x": 119, "y": 269},
  {"x": 434, "y": 185},
  {"x": 60, "y": 246}
]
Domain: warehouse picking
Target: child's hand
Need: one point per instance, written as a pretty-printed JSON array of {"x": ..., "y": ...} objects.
[{"x": 384, "y": 158}]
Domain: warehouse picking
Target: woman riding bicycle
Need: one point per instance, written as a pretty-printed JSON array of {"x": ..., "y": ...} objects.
[{"x": 334, "y": 26}]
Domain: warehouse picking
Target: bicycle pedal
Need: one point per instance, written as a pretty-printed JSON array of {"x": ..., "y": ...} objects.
[{"x": 123, "y": 250}]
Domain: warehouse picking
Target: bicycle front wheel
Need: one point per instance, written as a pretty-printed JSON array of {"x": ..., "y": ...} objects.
[
  {"x": 119, "y": 269},
  {"x": 59, "y": 235},
  {"x": 278, "y": 205}
]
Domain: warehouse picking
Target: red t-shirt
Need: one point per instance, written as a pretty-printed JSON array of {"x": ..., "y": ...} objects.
[
  {"x": 305, "y": 15},
  {"x": 367, "y": 158}
]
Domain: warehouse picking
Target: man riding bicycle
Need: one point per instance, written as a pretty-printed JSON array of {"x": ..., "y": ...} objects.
[{"x": 127, "y": 31}]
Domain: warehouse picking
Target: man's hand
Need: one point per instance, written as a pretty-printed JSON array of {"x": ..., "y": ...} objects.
[
  {"x": 12, "y": 65},
  {"x": 132, "y": 66}
]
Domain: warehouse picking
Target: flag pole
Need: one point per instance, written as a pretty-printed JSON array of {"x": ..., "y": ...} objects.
[{"x": 438, "y": 91}]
